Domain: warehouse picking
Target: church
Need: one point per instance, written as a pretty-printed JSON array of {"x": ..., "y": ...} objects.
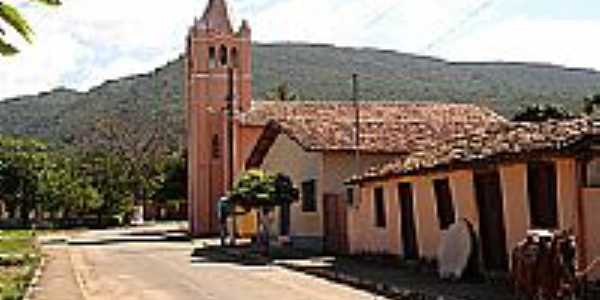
[{"x": 314, "y": 142}]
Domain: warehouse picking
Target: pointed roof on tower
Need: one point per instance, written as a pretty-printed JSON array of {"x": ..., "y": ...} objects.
[{"x": 216, "y": 17}]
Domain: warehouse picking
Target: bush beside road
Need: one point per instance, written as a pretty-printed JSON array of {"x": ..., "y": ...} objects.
[{"x": 19, "y": 258}]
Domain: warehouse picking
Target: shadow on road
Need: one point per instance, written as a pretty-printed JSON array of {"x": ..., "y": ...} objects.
[
  {"x": 388, "y": 277},
  {"x": 396, "y": 279},
  {"x": 100, "y": 238},
  {"x": 246, "y": 255}
]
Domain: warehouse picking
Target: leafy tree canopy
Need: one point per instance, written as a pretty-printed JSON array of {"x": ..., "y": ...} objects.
[
  {"x": 542, "y": 113},
  {"x": 590, "y": 103},
  {"x": 281, "y": 92},
  {"x": 256, "y": 188}
]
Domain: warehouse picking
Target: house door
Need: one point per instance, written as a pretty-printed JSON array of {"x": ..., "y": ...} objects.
[
  {"x": 407, "y": 221},
  {"x": 491, "y": 221},
  {"x": 335, "y": 224},
  {"x": 284, "y": 219}
]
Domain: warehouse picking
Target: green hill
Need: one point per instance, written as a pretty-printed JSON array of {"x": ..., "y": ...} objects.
[{"x": 315, "y": 72}]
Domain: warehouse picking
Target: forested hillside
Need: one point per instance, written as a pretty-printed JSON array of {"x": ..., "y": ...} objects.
[{"x": 314, "y": 72}]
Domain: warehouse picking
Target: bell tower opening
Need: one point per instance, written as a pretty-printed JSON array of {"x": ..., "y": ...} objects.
[
  {"x": 224, "y": 56},
  {"x": 212, "y": 57}
]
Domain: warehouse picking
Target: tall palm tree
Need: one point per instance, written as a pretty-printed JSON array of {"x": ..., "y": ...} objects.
[{"x": 12, "y": 18}]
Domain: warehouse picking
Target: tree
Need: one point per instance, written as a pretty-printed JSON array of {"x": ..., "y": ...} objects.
[
  {"x": 542, "y": 113},
  {"x": 173, "y": 190},
  {"x": 22, "y": 165},
  {"x": 35, "y": 178},
  {"x": 108, "y": 176},
  {"x": 11, "y": 17},
  {"x": 142, "y": 148},
  {"x": 590, "y": 103},
  {"x": 255, "y": 189},
  {"x": 281, "y": 92},
  {"x": 65, "y": 189}
]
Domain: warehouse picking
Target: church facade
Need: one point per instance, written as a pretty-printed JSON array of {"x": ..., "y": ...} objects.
[{"x": 218, "y": 88}]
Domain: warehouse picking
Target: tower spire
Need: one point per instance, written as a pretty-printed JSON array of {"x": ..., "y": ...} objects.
[{"x": 216, "y": 17}]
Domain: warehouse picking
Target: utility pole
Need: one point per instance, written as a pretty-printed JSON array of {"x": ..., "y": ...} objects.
[
  {"x": 230, "y": 147},
  {"x": 355, "y": 100},
  {"x": 356, "y": 123}
]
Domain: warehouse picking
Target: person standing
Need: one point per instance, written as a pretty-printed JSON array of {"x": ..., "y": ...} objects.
[{"x": 223, "y": 206}]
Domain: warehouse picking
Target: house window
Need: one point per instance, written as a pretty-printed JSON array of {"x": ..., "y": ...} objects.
[
  {"x": 309, "y": 196},
  {"x": 445, "y": 207},
  {"x": 380, "y": 218},
  {"x": 224, "y": 55},
  {"x": 212, "y": 57},
  {"x": 216, "y": 147},
  {"x": 541, "y": 178}
]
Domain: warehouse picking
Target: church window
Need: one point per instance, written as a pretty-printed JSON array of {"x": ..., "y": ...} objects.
[{"x": 224, "y": 55}]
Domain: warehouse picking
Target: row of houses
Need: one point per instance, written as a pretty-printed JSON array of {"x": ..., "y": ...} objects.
[
  {"x": 396, "y": 180},
  {"x": 421, "y": 168}
]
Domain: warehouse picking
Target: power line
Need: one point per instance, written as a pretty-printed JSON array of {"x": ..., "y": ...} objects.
[
  {"x": 381, "y": 14},
  {"x": 453, "y": 30}
]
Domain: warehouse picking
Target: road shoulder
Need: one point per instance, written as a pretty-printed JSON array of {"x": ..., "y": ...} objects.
[{"x": 58, "y": 280}]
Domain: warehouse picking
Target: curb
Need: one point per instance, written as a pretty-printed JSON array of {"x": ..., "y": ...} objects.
[{"x": 35, "y": 280}]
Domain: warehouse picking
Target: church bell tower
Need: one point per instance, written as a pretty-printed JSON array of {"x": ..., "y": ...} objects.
[{"x": 218, "y": 69}]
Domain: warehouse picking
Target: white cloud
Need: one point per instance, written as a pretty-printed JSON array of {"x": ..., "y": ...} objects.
[
  {"x": 406, "y": 25},
  {"x": 566, "y": 42},
  {"x": 86, "y": 42}
]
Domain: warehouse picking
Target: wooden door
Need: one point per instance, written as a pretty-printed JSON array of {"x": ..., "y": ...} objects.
[
  {"x": 492, "y": 231},
  {"x": 407, "y": 221},
  {"x": 541, "y": 178},
  {"x": 335, "y": 224}
]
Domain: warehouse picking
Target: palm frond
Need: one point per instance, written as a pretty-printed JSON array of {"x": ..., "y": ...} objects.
[
  {"x": 6, "y": 48},
  {"x": 11, "y": 15},
  {"x": 49, "y": 2}
]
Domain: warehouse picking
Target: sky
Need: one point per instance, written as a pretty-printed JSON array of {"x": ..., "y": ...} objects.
[{"x": 86, "y": 42}]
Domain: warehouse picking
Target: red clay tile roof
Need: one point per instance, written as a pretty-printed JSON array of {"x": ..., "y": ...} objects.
[
  {"x": 496, "y": 141},
  {"x": 386, "y": 127}
]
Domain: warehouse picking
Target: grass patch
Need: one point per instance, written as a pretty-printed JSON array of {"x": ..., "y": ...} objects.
[{"x": 19, "y": 257}]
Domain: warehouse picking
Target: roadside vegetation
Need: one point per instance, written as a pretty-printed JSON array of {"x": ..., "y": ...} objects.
[
  {"x": 86, "y": 185},
  {"x": 19, "y": 258}
]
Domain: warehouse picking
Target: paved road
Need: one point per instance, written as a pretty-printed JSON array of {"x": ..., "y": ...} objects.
[{"x": 165, "y": 271}]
